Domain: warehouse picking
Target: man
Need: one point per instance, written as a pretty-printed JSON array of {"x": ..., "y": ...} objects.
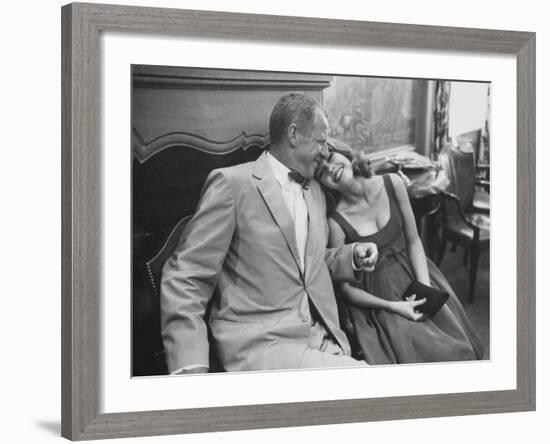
[{"x": 257, "y": 243}]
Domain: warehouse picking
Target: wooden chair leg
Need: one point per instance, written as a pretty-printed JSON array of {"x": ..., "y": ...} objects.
[
  {"x": 474, "y": 260},
  {"x": 441, "y": 252}
]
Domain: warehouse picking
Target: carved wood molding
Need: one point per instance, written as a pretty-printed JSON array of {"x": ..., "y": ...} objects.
[
  {"x": 145, "y": 150},
  {"x": 145, "y": 76}
]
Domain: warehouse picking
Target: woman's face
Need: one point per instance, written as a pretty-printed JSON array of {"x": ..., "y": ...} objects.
[{"x": 336, "y": 173}]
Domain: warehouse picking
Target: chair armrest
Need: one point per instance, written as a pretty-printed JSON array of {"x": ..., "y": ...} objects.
[
  {"x": 485, "y": 184},
  {"x": 483, "y": 167},
  {"x": 453, "y": 198}
]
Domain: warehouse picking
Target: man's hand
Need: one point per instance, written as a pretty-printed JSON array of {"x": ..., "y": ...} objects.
[{"x": 365, "y": 255}]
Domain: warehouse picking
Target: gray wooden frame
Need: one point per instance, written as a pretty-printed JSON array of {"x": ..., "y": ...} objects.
[{"x": 81, "y": 167}]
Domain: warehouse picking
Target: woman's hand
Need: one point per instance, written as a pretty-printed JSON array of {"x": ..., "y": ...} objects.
[{"x": 407, "y": 308}]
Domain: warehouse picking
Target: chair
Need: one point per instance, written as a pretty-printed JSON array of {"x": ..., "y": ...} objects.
[
  {"x": 483, "y": 168},
  {"x": 168, "y": 175},
  {"x": 426, "y": 210},
  {"x": 154, "y": 270},
  {"x": 483, "y": 186},
  {"x": 471, "y": 142},
  {"x": 463, "y": 223}
]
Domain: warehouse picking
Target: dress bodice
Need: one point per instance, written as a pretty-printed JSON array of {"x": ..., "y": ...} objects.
[{"x": 390, "y": 238}]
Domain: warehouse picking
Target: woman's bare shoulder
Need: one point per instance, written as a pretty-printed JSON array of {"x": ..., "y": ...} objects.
[{"x": 398, "y": 185}]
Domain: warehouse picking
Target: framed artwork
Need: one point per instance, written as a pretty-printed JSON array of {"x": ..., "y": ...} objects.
[{"x": 155, "y": 99}]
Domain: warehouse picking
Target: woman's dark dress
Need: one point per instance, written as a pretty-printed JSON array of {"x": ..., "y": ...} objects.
[{"x": 388, "y": 338}]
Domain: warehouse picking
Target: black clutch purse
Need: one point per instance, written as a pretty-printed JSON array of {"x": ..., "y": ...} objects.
[{"x": 435, "y": 299}]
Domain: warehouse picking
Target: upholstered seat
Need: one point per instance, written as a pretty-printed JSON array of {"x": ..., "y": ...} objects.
[
  {"x": 463, "y": 230},
  {"x": 481, "y": 201},
  {"x": 154, "y": 271}
]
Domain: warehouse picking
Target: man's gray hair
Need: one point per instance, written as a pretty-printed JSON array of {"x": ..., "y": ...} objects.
[{"x": 293, "y": 108}]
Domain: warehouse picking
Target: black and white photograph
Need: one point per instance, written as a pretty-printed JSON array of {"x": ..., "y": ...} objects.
[
  {"x": 275, "y": 222},
  {"x": 287, "y": 221}
]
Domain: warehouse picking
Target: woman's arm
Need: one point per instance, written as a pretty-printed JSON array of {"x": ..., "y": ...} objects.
[
  {"x": 415, "y": 248},
  {"x": 361, "y": 298}
]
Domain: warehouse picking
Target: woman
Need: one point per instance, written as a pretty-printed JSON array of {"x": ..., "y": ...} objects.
[{"x": 388, "y": 329}]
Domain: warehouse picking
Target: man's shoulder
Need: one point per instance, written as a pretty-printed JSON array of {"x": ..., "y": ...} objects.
[
  {"x": 236, "y": 171},
  {"x": 233, "y": 175}
]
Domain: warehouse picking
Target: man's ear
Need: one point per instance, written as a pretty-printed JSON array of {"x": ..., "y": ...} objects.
[{"x": 292, "y": 134}]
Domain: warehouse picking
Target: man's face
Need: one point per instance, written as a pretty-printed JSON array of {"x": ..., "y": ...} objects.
[{"x": 312, "y": 149}]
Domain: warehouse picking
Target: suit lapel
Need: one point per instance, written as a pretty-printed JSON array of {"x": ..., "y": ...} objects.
[{"x": 272, "y": 194}]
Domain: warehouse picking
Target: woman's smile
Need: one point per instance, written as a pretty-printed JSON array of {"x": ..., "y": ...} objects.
[{"x": 336, "y": 173}]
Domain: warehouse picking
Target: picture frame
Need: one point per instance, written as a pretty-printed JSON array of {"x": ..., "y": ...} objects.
[{"x": 81, "y": 244}]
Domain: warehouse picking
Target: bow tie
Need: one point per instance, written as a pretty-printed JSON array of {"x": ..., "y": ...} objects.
[{"x": 295, "y": 176}]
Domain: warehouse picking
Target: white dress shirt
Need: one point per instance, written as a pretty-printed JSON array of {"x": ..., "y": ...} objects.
[{"x": 294, "y": 199}]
